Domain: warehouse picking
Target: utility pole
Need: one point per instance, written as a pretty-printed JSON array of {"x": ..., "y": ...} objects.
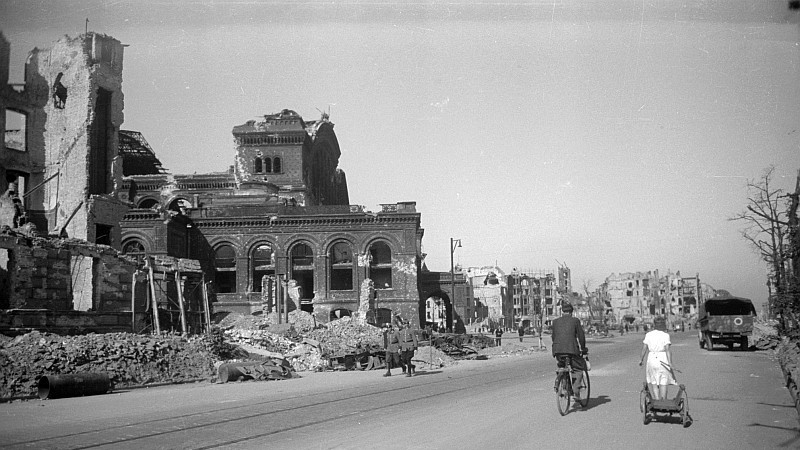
[{"x": 454, "y": 243}]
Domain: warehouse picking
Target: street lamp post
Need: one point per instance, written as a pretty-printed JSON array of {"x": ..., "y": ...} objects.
[{"x": 454, "y": 243}]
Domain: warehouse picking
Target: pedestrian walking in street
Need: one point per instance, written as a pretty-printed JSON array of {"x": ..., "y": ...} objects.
[
  {"x": 659, "y": 370},
  {"x": 391, "y": 344},
  {"x": 521, "y": 333},
  {"x": 408, "y": 345},
  {"x": 498, "y": 334}
]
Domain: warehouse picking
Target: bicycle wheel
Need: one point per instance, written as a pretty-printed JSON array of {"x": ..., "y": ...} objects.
[
  {"x": 587, "y": 386},
  {"x": 563, "y": 397}
]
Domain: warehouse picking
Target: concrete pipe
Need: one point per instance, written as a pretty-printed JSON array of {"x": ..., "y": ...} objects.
[{"x": 73, "y": 385}]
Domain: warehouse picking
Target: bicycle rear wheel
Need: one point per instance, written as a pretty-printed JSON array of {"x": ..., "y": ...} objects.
[
  {"x": 587, "y": 387},
  {"x": 563, "y": 397}
]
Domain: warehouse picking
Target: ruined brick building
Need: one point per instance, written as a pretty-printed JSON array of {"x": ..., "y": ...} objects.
[{"x": 275, "y": 227}]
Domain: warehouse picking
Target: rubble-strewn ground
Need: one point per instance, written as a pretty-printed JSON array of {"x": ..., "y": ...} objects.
[{"x": 134, "y": 360}]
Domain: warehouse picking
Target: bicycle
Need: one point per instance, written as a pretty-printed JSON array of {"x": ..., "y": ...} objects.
[{"x": 564, "y": 386}]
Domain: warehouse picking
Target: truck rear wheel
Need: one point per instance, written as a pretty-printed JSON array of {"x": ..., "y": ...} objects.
[{"x": 743, "y": 344}]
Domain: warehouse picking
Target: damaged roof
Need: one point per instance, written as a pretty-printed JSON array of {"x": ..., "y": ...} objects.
[
  {"x": 138, "y": 158},
  {"x": 286, "y": 120}
]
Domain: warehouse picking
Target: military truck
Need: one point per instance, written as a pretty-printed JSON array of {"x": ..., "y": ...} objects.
[{"x": 726, "y": 320}]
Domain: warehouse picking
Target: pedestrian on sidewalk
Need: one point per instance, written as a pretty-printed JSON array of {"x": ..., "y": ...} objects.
[
  {"x": 521, "y": 333},
  {"x": 408, "y": 345},
  {"x": 391, "y": 344}
]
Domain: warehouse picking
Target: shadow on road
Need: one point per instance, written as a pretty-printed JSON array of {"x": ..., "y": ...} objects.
[
  {"x": 791, "y": 443},
  {"x": 595, "y": 402}
]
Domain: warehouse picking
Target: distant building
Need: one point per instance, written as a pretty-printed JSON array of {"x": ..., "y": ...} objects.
[
  {"x": 488, "y": 285},
  {"x": 641, "y": 296},
  {"x": 630, "y": 295}
]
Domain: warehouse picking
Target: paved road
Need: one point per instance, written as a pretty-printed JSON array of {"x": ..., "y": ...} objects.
[{"x": 736, "y": 400}]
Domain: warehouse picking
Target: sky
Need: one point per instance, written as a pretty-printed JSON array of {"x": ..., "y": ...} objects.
[{"x": 606, "y": 135}]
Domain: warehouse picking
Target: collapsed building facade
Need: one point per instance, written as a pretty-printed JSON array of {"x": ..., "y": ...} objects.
[
  {"x": 273, "y": 232},
  {"x": 641, "y": 296}
]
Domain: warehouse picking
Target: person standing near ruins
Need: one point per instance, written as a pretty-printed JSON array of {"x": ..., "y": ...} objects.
[
  {"x": 392, "y": 346},
  {"x": 498, "y": 335},
  {"x": 408, "y": 344}
]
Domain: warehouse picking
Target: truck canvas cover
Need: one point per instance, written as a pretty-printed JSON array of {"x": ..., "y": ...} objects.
[{"x": 727, "y": 306}]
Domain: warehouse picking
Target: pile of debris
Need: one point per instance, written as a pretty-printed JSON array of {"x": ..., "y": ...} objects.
[
  {"x": 765, "y": 335},
  {"x": 462, "y": 346},
  {"x": 431, "y": 357},
  {"x": 346, "y": 336},
  {"x": 510, "y": 349},
  {"x": 128, "y": 359}
]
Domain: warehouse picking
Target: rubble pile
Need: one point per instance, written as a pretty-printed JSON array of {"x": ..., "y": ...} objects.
[
  {"x": 765, "y": 336},
  {"x": 301, "y": 321},
  {"x": 302, "y": 356},
  {"x": 128, "y": 359},
  {"x": 510, "y": 349},
  {"x": 346, "y": 336},
  {"x": 427, "y": 357}
]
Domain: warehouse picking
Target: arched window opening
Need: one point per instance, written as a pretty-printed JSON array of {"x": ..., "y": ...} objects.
[
  {"x": 276, "y": 165},
  {"x": 380, "y": 265},
  {"x": 262, "y": 264},
  {"x": 180, "y": 205},
  {"x": 341, "y": 267},
  {"x": 302, "y": 264},
  {"x": 258, "y": 168},
  {"x": 135, "y": 248},
  {"x": 225, "y": 262},
  {"x": 267, "y": 165},
  {"x": 148, "y": 203}
]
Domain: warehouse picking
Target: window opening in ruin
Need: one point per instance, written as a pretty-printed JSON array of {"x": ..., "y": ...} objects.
[
  {"x": 148, "y": 203},
  {"x": 99, "y": 169},
  {"x": 257, "y": 166},
  {"x": 6, "y": 264},
  {"x": 82, "y": 270},
  {"x": 339, "y": 313},
  {"x": 134, "y": 248},
  {"x": 102, "y": 234},
  {"x": 15, "y": 136},
  {"x": 276, "y": 165},
  {"x": 268, "y": 165},
  {"x": 59, "y": 92},
  {"x": 225, "y": 262},
  {"x": 383, "y": 316},
  {"x": 180, "y": 206},
  {"x": 262, "y": 265},
  {"x": 380, "y": 265},
  {"x": 341, "y": 267},
  {"x": 302, "y": 261}
]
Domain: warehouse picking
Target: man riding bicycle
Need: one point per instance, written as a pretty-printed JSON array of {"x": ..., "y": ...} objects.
[{"x": 569, "y": 340}]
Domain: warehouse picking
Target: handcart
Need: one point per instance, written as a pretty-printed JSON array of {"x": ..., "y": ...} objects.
[{"x": 664, "y": 408}]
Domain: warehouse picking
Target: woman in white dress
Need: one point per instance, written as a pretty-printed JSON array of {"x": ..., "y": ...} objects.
[{"x": 659, "y": 370}]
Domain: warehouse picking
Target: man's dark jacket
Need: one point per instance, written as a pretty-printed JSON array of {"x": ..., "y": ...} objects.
[{"x": 567, "y": 332}]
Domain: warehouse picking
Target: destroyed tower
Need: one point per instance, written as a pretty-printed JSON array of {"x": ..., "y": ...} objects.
[{"x": 60, "y": 152}]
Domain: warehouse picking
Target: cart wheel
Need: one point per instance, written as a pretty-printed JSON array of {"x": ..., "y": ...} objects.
[
  {"x": 643, "y": 394},
  {"x": 686, "y": 419}
]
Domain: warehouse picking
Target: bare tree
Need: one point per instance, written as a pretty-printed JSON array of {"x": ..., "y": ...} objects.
[{"x": 766, "y": 228}]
